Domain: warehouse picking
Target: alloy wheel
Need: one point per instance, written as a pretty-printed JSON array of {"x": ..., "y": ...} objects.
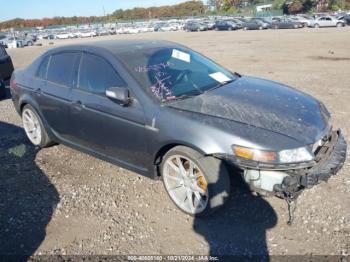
[
  {"x": 185, "y": 184},
  {"x": 31, "y": 126}
]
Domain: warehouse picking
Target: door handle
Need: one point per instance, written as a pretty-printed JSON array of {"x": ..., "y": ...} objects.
[
  {"x": 77, "y": 104},
  {"x": 38, "y": 91}
]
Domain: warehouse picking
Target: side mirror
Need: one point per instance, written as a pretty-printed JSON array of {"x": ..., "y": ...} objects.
[{"x": 119, "y": 94}]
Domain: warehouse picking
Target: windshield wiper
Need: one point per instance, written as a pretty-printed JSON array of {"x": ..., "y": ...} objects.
[
  {"x": 219, "y": 85},
  {"x": 177, "y": 98}
]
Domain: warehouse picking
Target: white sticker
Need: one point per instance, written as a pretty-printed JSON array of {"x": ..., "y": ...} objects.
[
  {"x": 220, "y": 77},
  {"x": 181, "y": 55}
]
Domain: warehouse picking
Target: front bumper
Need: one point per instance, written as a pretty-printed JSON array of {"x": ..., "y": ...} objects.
[
  {"x": 288, "y": 180},
  {"x": 330, "y": 158}
]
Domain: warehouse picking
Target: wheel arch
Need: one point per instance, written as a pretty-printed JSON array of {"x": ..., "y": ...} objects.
[{"x": 166, "y": 147}]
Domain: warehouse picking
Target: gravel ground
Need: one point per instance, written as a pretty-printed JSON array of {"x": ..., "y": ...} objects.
[{"x": 60, "y": 201}]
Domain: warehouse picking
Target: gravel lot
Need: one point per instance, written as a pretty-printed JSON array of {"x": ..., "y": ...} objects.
[{"x": 60, "y": 201}]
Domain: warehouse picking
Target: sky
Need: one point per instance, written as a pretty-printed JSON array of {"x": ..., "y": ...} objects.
[{"x": 49, "y": 8}]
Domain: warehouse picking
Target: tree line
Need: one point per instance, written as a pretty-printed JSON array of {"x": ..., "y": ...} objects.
[
  {"x": 190, "y": 8},
  {"x": 288, "y": 6}
]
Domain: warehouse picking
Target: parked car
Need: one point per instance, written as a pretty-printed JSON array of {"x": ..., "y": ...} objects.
[
  {"x": 195, "y": 26},
  {"x": 265, "y": 24},
  {"x": 303, "y": 20},
  {"x": 165, "y": 111},
  {"x": 345, "y": 18},
  {"x": 326, "y": 21},
  {"x": 221, "y": 25},
  {"x": 286, "y": 24},
  {"x": 254, "y": 24},
  {"x": 6, "y": 69},
  {"x": 8, "y": 40},
  {"x": 238, "y": 23}
]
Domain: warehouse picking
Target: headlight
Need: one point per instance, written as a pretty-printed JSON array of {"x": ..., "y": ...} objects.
[
  {"x": 301, "y": 154},
  {"x": 255, "y": 154},
  {"x": 295, "y": 155}
]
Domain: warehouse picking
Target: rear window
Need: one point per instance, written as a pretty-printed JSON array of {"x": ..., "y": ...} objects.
[{"x": 61, "y": 68}]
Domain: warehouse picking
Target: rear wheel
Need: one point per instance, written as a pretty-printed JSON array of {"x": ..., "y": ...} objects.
[
  {"x": 339, "y": 25},
  {"x": 197, "y": 185},
  {"x": 34, "y": 127},
  {"x": 260, "y": 28}
]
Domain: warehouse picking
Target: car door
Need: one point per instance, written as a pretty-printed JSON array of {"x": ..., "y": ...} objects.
[
  {"x": 6, "y": 66},
  {"x": 55, "y": 78},
  {"x": 322, "y": 22},
  {"x": 330, "y": 21},
  {"x": 102, "y": 125}
]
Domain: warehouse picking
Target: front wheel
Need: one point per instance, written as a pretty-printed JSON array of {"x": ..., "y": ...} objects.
[
  {"x": 34, "y": 127},
  {"x": 316, "y": 25},
  {"x": 197, "y": 185}
]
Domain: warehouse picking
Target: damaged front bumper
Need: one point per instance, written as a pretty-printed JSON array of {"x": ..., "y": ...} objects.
[{"x": 288, "y": 180}]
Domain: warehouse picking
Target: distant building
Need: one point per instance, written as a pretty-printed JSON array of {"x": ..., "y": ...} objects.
[{"x": 263, "y": 7}]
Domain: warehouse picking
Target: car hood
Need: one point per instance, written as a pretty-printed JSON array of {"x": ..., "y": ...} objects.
[{"x": 264, "y": 104}]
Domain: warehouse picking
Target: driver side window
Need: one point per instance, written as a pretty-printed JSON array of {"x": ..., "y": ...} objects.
[{"x": 96, "y": 75}]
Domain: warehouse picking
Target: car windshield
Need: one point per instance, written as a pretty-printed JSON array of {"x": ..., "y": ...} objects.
[{"x": 173, "y": 73}]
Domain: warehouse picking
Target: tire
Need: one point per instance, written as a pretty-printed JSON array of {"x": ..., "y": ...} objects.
[
  {"x": 260, "y": 28},
  {"x": 230, "y": 29},
  {"x": 339, "y": 25},
  {"x": 316, "y": 25},
  {"x": 276, "y": 27},
  {"x": 2, "y": 92},
  {"x": 44, "y": 140},
  {"x": 209, "y": 175},
  {"x": 30, "y": 43},
  {"x": 245, "y": 28}
]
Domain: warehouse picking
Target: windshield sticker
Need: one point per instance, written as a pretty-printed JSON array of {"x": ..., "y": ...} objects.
[
  {"x": 181, "y": 56},
  {"x": 220, "y": 77}
]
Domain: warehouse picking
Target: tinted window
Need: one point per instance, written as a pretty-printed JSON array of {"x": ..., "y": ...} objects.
[
  {"x": 61, "y": 68},
  {"x": 43, "y": 68},
  {"x": 2, "y": 51},
  {"x": 96, "y": 75}
]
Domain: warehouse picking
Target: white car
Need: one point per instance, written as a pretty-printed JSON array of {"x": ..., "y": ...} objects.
[
  {"x": 63, "y": 36},
  {"x": 88, "y": 34},
  {"x": 326, "y": 21}
]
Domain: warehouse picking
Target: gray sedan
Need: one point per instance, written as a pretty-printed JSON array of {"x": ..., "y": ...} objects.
[{"x": 165, "y": 111}]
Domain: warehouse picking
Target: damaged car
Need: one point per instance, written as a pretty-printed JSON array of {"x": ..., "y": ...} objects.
[{"x": 167, "y": 112}]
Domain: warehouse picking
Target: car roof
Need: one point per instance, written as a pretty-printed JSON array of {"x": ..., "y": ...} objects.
[{"x": 117, "y": 46}]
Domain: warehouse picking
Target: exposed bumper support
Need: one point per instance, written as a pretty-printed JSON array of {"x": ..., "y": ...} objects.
[
  {"x": 287, "y": 181},
  {"x": 330, "y": 159}
]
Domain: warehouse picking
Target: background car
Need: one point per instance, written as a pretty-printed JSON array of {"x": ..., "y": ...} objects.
[
  {"x": 303, "y": 20},
  {"x": 222, "y": 25},
  {"x": 253, "y": 24},
  {"x": 265, "y": 23},
  {"x": 6, "y": 69},
  {"x": 195, "y": 27},
  {"x": 326, "y": 21},
  {"x": 286, "y": 24}
]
